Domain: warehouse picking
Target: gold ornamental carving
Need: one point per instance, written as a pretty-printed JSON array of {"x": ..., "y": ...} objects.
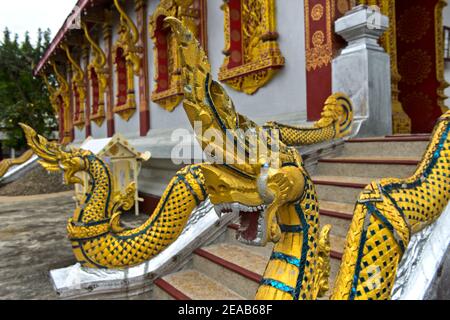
[
  {"x": 128, "y": 43},
  {"x": 97, "y": 68},
  {"x": 317, "y": 12},
  {"x": 252, "y": 54},
  {"x": 415, "y": 66},
  {"x": 78, "y": 87},
  {"x": 319, "y": 45},
  {"x": 168, "y": 92}
]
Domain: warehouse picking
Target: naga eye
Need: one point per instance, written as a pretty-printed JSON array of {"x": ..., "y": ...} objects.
[{"x": 211, "y": 189}]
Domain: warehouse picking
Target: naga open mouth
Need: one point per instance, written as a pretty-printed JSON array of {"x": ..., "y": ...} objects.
[{"x": 252, "y": 229}]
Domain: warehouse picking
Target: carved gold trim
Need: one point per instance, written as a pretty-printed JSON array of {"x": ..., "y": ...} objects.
[
  {"x": 440, "y": 64},
  {"x": 78, "y": 85},
  {"x": 171, "y": 97},
  {"x": 320, "y": 53},
  {"x": 128, "y": 41},
  {"x": 64, "y": 92},
  {"x": 98, "y": 65},
  {"x": 262, "y": 57}
]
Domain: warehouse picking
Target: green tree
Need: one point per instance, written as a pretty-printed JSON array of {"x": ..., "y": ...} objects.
[{"x": 23, "y": 97}]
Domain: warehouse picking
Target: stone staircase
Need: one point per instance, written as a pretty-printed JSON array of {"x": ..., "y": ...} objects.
[{"x": 228, "y": 270}]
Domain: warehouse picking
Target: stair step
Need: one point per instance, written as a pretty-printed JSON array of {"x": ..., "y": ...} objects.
[
  {"x": 392, "y": 139},
  {"x": 385, "y": 147},
  {"x": 194, "y": 285},
  {"x": 338, "y": 210},
  {"x": 367, "y": 167},
  {"x": 340, "y": 189},
  {"x": 235, "y": 266}
]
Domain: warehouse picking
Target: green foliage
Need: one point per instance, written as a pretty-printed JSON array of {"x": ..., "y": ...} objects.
[{"x": 23, "y": 97}]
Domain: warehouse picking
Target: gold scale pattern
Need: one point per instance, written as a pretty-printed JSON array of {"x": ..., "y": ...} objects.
[
  {"x": 384, "y": 217},
  {"x": 387, "y": 213}
]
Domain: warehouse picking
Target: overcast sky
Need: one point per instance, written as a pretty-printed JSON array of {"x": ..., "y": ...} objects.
[{"x": 30, "y": 15}]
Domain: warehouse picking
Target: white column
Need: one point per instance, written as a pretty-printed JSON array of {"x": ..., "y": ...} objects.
[{"x": 362, "y": 70}]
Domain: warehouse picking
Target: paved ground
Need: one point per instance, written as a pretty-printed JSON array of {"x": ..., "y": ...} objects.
[{"x": 32, "y": 242}]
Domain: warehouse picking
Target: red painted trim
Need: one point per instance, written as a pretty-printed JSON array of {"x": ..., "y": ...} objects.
[
  {"x": 373, "y": 161},
  {"x": 335, "y": 214},
  {"x": 144, "y": 121},
  {"x": 408, "y": 135},
  {"x": 340, "y": 184},
  {"x": 171, "y": 290},
  {"x": 233, "y": 226},
  {"x": 397, "y": 139},
  {"x": 229, "y": 265},
  {"x": 336, "y": 255}
]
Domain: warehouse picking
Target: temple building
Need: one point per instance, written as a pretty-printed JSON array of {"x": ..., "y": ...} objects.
[{"x": 114, "y": 68}]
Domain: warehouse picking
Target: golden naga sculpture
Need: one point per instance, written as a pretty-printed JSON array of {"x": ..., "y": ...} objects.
[
  {"x": 387, "y": 213},
  {"x": 335, "y": 122},
  {"x": 284, "y": 208},
  {"x": 6, "y": 164},
  {"x": 273, "y": 192},
  {"x": 98, "y": 240}
]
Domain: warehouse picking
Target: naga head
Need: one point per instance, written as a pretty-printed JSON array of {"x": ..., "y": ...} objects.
[
  {"x": 337, "y": 111},
  {"x": 54, "y": 158},
  {"x": 257, "y": 200}
]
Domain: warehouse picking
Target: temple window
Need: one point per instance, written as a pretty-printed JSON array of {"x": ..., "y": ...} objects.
[
  {"x": 98, "y": 76},
  {"x": 168, "y": 91},
  {"x": 252, "y": 55},
  {"x": 128, "y": 62}
]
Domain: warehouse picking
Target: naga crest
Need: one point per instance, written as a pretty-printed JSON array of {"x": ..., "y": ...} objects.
[
  {"x": 252, "y": 171},
  {"x": 55, "y": 158}
]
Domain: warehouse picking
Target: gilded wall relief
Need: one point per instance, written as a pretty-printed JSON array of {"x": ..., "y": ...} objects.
[
  {"x": 127, "y": 57},
  {"x": 168, "y": 91},
  {"x": 318, "y": 34},
  {"x": 98, "y": 76},
  {"x": 61, "y": 99},
  {"x": 252, "y": 55},
  {"x": 78, "y": 88}
]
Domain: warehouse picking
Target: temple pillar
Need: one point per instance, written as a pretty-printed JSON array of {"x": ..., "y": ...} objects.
[
  {"x": 144, "y": 85},
  {"x": 109, "y": 103},
  {"x": 362, "y": 70},
  {"x": 87, "y": 112}
]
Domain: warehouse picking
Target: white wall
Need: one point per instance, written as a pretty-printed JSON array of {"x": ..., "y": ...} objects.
[{"x": 283, "y": 98}]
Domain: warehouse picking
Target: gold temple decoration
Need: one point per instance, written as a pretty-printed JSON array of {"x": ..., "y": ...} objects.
[
  {"x": 168, "y": 92},
  {"x": 386, "y": 214},
  {"x": 98, "y": 75},
  {"x": 252, "y": 54},
  {"x": 126, "y": 51},
  {"x": 319, "y": 50},
  {"x": 62, "y": 95},
  {"x": 401, "y": 122},
  {"x": 78, "y": 87},
  {"x": 53, "y": 94},
  {"x": 440, "y": 64}
]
